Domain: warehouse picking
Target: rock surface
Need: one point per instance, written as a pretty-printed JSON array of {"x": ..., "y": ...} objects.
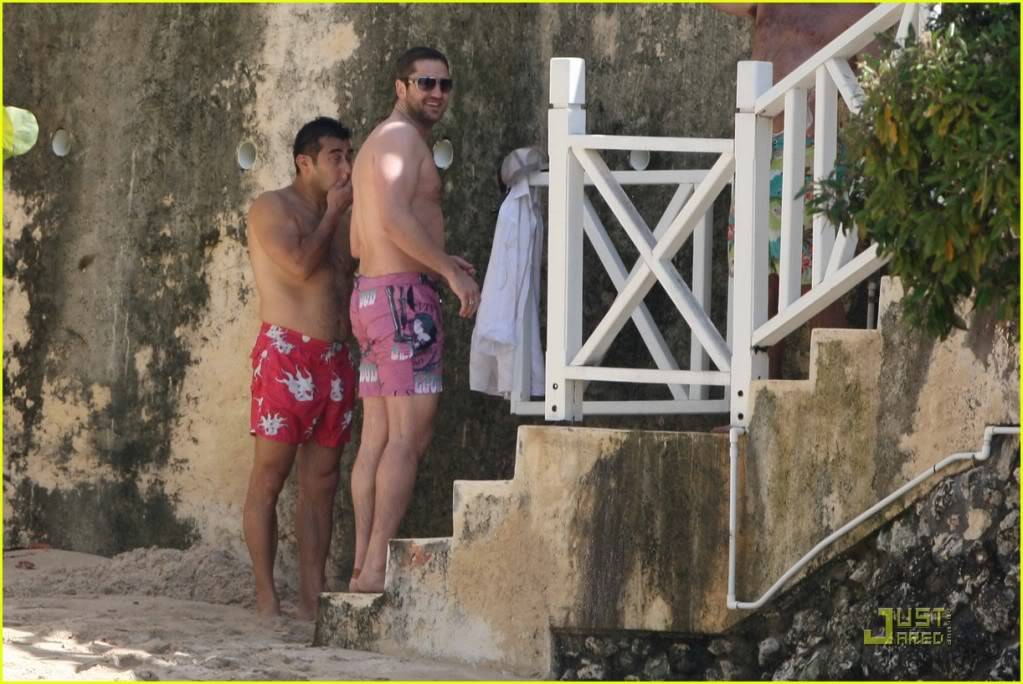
[{"x": 816, "y": 629}]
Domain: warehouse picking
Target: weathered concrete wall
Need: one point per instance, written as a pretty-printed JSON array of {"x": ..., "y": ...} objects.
[
  {"x": 128, "y": 305},
  {"x": 879, "y": 408},
  {"x": 125, "y": 302},
  {"x": 925, "y": 559}
]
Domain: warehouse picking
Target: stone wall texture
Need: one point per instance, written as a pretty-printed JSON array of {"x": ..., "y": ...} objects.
[
  {"x": 129, "y": 309},
  {"x": 879, "y": 407},
  {"x": 956, "y": 550}
]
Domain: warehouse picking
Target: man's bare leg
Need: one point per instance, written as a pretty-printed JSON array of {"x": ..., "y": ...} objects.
[
  {"x": 409, "y": 429},
  {"x": 270, "y": 469},
  {"x": 364, "y": 473},
  {"x": 314, "y": 521}
]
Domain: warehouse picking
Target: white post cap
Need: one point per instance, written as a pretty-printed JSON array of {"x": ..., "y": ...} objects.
[{"x": 568, "y": 81}]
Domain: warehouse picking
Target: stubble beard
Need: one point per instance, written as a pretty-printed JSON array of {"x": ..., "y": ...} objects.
[{"x": 420, "y": 115}]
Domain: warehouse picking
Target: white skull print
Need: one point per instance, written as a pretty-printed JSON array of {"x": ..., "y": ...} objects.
[
  {"x": 300, "y": 386},
  {"x": 337, "y": 389},
  {"x": 271, "y": 424},
  {"x": 276, "y": 333}
]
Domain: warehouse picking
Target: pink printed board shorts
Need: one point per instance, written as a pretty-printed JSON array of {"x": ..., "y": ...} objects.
[
  {"x": 302, "y": 388},
  {"x": 396, "y": 319}
]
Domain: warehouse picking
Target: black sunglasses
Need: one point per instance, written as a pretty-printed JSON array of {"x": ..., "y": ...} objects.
[{"x": 428, "y": 83}]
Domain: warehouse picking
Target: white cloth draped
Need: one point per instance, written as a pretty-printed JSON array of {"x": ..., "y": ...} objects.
[{"x": 511, "y": 289}]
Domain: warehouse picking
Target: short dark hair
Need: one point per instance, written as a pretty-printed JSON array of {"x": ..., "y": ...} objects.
[
  {"x": 308, "y": 139},
  {"x": 406, "y": 64}
]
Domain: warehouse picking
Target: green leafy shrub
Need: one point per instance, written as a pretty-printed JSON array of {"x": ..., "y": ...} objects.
[{"x": 930, "y": 168}]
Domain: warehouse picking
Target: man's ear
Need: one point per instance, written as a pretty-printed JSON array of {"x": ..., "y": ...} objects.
[
  {"x": 304, "y": 161},
  {"x": 399, "y": 88}
]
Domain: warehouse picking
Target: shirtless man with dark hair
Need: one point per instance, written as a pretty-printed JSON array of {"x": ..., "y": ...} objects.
[
  {"x": 303, "y": 383},
  {"x": 398, "y": 237}
]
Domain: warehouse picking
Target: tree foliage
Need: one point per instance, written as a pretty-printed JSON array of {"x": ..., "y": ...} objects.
[{"x": 929, "y": 168}]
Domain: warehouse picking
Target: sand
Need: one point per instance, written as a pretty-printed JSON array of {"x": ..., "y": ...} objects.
[{"x": 166, "y": 614}]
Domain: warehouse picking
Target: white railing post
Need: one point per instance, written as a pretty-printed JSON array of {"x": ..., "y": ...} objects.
[
  {"x": 564, "y": 396},
  {"x": 752, "y": 165},
  {"x": 915, "y": 15},
  {"x": 790, "y": 263},
  {"x": 825, "y": 146},
  {"x": 702, "y": 254}
]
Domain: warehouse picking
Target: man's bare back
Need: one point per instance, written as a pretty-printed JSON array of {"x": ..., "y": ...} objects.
[{"x": 394, "y": 142}]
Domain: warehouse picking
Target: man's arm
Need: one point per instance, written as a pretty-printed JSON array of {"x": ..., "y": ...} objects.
[
  {"x": 343, "y": 266},
  {"x": 296, "y": 255},
  {"x": 737, "y": 10},
  {"x": 341, "y": 250}
]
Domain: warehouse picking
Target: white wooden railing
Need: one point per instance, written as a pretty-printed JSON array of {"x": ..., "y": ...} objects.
[
  {"x": 835, "y": 269},
  {"x": 739, "y": 356},
  {"x": 690, "y": 398}
]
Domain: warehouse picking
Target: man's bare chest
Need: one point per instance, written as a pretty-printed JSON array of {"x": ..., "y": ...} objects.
[{"x": 304, "y": 222}]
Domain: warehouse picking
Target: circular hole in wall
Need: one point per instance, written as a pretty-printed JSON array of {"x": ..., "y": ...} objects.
[
  {"x": 246, "y": 155},
  {"x": 61, "y": 143},
  {"x": 443, "y": 154},
  {"x": 639, "y": 159}
]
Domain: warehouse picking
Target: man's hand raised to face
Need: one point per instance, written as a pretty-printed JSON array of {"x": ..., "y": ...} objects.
[{"x": 339, "y": 197}]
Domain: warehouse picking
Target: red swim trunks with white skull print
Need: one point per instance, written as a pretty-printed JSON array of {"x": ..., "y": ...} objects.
[{"x": 302, "y": 388}]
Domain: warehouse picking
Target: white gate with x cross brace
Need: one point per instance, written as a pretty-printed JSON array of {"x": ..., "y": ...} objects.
[{"x": 739, "y": 356}]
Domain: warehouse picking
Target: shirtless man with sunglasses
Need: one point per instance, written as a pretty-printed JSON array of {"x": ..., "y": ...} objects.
[{"x": 398, "y": 236}]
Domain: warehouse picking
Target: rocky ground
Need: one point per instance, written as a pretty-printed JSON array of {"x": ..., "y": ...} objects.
[{"x": 956, "y": 549}]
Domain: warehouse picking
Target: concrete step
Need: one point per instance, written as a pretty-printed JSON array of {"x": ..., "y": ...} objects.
[
  {"x": 421, "y": 560},
  {"x": 824, "y": 343},
  {"x": 599, "y": 529},
  {"x": 478, "y": 505},
  {"x": 348, "y": 620},
  {"x": 416, "y": 577}
]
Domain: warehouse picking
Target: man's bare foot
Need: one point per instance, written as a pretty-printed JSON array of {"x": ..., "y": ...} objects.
[
  {"x": 369, "y": 582},
  {"x": 268, "y": 607},
  {"x": 353, "y": 582}
]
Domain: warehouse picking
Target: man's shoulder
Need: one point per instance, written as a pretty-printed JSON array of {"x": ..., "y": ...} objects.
[
  {"x": 399, "y": 135},
  {"x": 278, "y": 198},
  {"x": 271, "y": 204}
]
